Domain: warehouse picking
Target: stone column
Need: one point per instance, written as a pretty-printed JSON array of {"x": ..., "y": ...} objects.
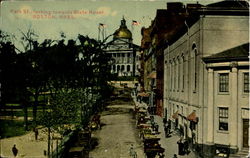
[
  {"x": 208, "y": 150},
  {"x": 210, "y": 107},
  {"x": 233, "y": 109}
]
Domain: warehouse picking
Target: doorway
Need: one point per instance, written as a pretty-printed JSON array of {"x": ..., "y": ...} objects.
[{"x": 245, "y": 132}]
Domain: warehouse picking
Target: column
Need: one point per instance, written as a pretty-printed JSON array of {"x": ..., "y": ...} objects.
[
  {"x": 210, "y": 107},
  {"x": 233, "y": 111}
]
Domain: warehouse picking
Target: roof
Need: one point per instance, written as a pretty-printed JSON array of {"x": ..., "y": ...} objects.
[
  {"x": 230, "y": 4},
  {"x": 123, "y": 31},
  {"x": 240, "y": 52}
]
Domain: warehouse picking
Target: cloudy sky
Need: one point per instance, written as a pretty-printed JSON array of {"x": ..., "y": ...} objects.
[{"x": 49, "y": 18}]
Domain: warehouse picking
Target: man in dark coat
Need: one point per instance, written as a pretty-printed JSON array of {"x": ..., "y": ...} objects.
[
  {"x": 14, "y": 150},
  {"x": 180, "y": 147}
]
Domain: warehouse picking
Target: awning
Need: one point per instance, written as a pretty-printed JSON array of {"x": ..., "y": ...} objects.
[
  {"x": 143, "y": 94},
  {"x": 175, "y": 115},
  {"x": 192, "y": 117},
  {"x": 152, "y": 75}
]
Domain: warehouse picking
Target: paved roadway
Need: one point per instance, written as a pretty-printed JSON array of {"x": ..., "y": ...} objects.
[{"x": 117, "y": 133}]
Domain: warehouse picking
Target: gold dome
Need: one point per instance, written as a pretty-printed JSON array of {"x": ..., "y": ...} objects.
[{"x": 123, "y": 31}]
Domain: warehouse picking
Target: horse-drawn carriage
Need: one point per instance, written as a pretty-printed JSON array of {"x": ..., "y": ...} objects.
[
  {"x": 82, "y": 145},
  {"x": 84, "y": 139},
  {"x": 152, "y": 147}
]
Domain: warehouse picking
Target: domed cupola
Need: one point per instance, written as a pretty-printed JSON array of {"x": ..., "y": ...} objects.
[{"x": 123, "y": 31}]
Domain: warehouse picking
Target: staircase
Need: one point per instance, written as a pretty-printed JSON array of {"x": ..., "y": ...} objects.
[{"x": 244, "y": 153}]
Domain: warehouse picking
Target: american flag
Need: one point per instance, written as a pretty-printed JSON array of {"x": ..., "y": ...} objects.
[{"x": 135, "y": 22}]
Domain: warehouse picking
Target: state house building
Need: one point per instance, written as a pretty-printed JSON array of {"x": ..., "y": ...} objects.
[{"x": 124, "y": 53}]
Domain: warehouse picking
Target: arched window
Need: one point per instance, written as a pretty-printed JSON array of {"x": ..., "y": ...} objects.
[
  {"x": 118, "y": 67},
  {"x": 183, "y": 72},
  {"x": 128, "y": 68},
  {"x": 114, "y": 67},
  {"x": 178, "y": 63},
  {"x": 174, "y": 74},
  {"x": 122, "y": 68},
  {"x": 195, "y": 67}
]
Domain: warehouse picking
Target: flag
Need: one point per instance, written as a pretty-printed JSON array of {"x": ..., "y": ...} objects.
[
  {"x": 102, "y": 25},
  {"x": 135, "y": 22}
]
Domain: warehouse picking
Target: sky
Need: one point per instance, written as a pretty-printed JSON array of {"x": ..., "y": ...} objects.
[{"x": 49, "y": 18}]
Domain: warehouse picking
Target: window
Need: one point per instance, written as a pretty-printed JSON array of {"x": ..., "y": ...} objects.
[
  {"x": 114, "y": 67},
  {"x": 183, "y": 73},
  {"x": 223, "y": 82},
  {"x": 179, "y": 73},
  {"x": 223, "y": 119},
  {"x": 122, "y": 68},
  {"x": 194, "y": 48},
  {"x": 174, "y": 73},
  {"x": 128, "y": 68},
  {"x": 171, "y": 75},
  {"x": 246, "y": 82},
  {"x": 195, "y": 70}
]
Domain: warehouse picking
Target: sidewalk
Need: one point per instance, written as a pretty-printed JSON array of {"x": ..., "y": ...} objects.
[
  {"x": 26, "y": 144},
  {"x": 169, "y": 144}
]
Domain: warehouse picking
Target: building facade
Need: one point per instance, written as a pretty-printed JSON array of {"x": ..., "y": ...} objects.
[
  {"x": 125, "y": 54},
  {"x": 193, "y": 85}
]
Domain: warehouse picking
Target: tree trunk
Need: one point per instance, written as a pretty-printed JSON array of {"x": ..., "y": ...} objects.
[
  {"x": 35, "y": 108},
  {"x": 25, "y": 110},
  {"x": 49, "y": 142}
]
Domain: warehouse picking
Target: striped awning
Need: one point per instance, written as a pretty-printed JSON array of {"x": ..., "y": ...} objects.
[
  {"x": 152, "y": 75},
  {"x": 143, "y": 94},
  {"x": 175, "y": 115}
]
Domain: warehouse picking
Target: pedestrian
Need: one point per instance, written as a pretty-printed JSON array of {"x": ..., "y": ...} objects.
[
  {"x": 132, "y": 151},
  {"x": 166, "y": 130},
  {"x": 36, "y": 133},
  {"x": 157, "y": 128},
  {"x": 186, "y": 150},
  {"x": 14, "y": 150},
  {"x": 180, "y": 147},
  {"x": 175, "y": 156},
  {"x": 165, "y": 121}
]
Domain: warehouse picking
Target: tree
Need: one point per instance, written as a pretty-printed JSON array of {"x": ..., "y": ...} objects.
[{"x": 63, "y": 113}]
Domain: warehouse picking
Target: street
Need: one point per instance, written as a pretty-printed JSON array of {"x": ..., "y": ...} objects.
[{"x": 118, "y": 131}]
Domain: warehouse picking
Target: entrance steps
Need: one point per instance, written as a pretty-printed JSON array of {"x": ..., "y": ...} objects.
[{"x": 244, "y": 153}]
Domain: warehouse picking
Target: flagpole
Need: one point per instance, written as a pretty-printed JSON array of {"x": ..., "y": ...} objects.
[
  {"x": 102, "y": 33},
  {"x": 99, "y": 32}
]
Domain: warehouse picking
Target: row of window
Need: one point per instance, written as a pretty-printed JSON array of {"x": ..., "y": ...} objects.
[
  {"x": 178, "y": 68},
  {"x": 121, "y": 68},
  {"x": 121, "y": 54},
  {"x": 224, "y": 82},
  {"x": 124, "y": 61}
]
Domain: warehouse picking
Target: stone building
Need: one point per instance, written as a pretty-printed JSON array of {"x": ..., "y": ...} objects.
[
  {"x": 206, "y": 77},
  {"x": 124, "y": 53}
]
